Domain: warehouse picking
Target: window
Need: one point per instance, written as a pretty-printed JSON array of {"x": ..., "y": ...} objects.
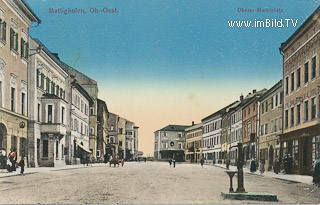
[
  {"x": 262, "y": 108},
  {"x": 13, "y": 93},
  {"x": 45, "y": 148},
  {"x": 111, "y": 128},
  {"x": 313, "y": 108},
  {"x": 272, "y": 102},
  {"x": 277, "y": 99},
  {"x": 42, "y": 81},
  {"x": 13, "y": 40},
  {"x": 47, "y": 85},
  {"x": 292, "y": 116},
  {"x": 298, "y": 77},
  {"x": 39, "y": 108},
  {"x": 120, "y": 130},
  {"x": 53, "y": 86},
  {"x": 286, "y": 119},
  {"x": 292, "y": 82},
  {"x": 3, "y": 30},
  {"x": 1, "y": 94},
  {"x": 266, "y": 106},
  {"x": 23, "y": 98},
  {"x": 281, "y": 98},
  {"x": 266, "y": 128},
  {"x": 287, "y": 85},
  {"x": 24, "y": 49},
  {"x": 314, "y": 60},
  {"x": 179, "y": 135},
  {"x": 306, "y": 111},
  {"x": 91, "y": 111},
  {"x": 62, "y": 115},
  {"x": 271, "y": 126},
  {"x": 249, "y": 110},
  {"x": 298, "y": 114},
  {"x": 57, "y": 150},
  {"x": 57, "y": 90},
  {"x": 81, "y": 106},
  {"x": 91, "y": 131},
  {"x": 306, "y": 72},
  {"x": 112, "y": 140},
  {"x": 49, "y": 114},
  {"x": 275, "y": 125},
  {"x": 62, "y": 151}
]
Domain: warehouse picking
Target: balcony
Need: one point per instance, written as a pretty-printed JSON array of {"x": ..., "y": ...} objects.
[{"x": 53, "y": 128}]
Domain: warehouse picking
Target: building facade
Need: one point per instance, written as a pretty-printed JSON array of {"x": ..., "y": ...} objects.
[
  {"x": 112, "y": 138},
  {"x": 170, "y": 143},
  {"x": 102, "y": 132},
  {"x": 193, "y": 152},
  {"x": 249, "y": 125},
  {"x": 122, "y": 137},
  {"x": 270, "y": 125},
  {"x": 48, "y": 107},
  {"x": 15, "y": 21},
  {"x": 129, "y": 140},
  {"x": 301, "y": 134},
  {"x": 135, "y": 142}
]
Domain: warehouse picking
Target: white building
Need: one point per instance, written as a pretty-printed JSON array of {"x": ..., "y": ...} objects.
[{"x": 48, "y": 107}]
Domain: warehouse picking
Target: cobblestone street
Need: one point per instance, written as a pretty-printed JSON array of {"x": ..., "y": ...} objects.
[{"x": 151, "y": 182}]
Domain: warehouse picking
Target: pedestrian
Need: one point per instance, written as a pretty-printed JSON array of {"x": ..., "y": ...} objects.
[
  {"x": 227, "y": 164},
  {"x": 261, "y": 166},
  {"x": 316, "y": 171},
  {"x": 174, "y": 163},
  {"x": 105, "y": 156},
  {"x": 170, "y": 162},
  {"x": 201, "y": 162},
  {"x": 122, "y": 162},
  {"x": 13, "y": 158},
  {"x": 285, "y": 164},
  {"x": 253, "y": 165},
  {"x": 145, "y": 159},
  {"x": 290, "y": 163},
  {"x": 21, "y": 164},
  {"x": 276, "y": 167}
]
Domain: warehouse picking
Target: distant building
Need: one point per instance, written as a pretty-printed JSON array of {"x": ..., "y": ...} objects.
[
  {"x": 112, "y": 138},
  {"x": 122, "y": 138},
  {"x": 193, "y": 150},
  {"x": 135, "y": 142},
  {"x": 129, "y": 140},
  {"x": 212, "y": 127},
  {"x": 270, "y": 124},
  {"x": 249, "y": 125},
  {"x": 102, "y": 131},
  {"x": 170, "y": 143}
]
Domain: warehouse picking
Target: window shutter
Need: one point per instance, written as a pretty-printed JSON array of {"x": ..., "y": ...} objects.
[
  {"x": 27, "y": 51},
  {"x": 11, "y": 38},
  {"x": 22, "y": 50},
  {"x": 4, "y": 37},
  {"x": 16, "y": 48},
  {"x": 38, "y": 73}
]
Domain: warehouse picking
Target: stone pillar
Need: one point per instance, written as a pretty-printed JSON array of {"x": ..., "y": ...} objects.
[{"x": 240, "y": 188}]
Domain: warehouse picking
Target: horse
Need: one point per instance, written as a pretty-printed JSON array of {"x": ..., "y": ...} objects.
[{"x": 114, "y": 161}]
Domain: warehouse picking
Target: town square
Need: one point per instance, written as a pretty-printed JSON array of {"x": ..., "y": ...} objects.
[{"x": 159, "y": 102}]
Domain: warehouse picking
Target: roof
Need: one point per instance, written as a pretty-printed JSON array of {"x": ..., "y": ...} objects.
[
  {"x": 271, "y": 90},
  {"x": 300, "y": 28},
  {"x": 50, "y": 54},
  {"x": 33, "y": 15},
  {"x": 255, "y": 96},
  {"x": 174, "y": 128},
  {"x": 82, "y": 91},
  {"x": 194, "y": 127},
  {"x": 219, "y": 112}
]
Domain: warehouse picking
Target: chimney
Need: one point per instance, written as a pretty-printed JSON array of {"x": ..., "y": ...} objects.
[
  {"x": 56, "y": 55},
  {"x": 241, "y": 97},
  {"x": 254, "y": 91},
  {"x": 192, "y": 123}
]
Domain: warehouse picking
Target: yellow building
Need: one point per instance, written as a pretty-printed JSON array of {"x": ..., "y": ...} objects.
[
  {"x": 193, "y": 143},
  {"x": 15, "y": 21}
]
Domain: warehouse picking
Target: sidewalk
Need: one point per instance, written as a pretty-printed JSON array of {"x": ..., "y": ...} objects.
[
  {"x": 286, "y": 177},
  {"x": 4, "y": 173}
]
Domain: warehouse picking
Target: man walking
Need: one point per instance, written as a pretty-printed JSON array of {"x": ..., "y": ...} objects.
[{"x": 201, "y": 162}]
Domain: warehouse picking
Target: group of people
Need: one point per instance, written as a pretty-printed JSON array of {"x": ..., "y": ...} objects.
[
  {"x": 11, "y": 161},
  {"x": 276, "y": 166}
]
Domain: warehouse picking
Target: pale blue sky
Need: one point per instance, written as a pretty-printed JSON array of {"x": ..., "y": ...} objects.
[{"x": 183, "y": 46}]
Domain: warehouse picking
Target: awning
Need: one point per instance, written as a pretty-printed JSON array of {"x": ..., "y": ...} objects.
[{"x": 83, "y": 147}]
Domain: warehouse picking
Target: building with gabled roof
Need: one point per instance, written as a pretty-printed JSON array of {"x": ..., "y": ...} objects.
[{"x": 170, "y": 143}]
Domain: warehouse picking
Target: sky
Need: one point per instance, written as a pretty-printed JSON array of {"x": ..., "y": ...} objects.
[{"x": 160, "y": 62}]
